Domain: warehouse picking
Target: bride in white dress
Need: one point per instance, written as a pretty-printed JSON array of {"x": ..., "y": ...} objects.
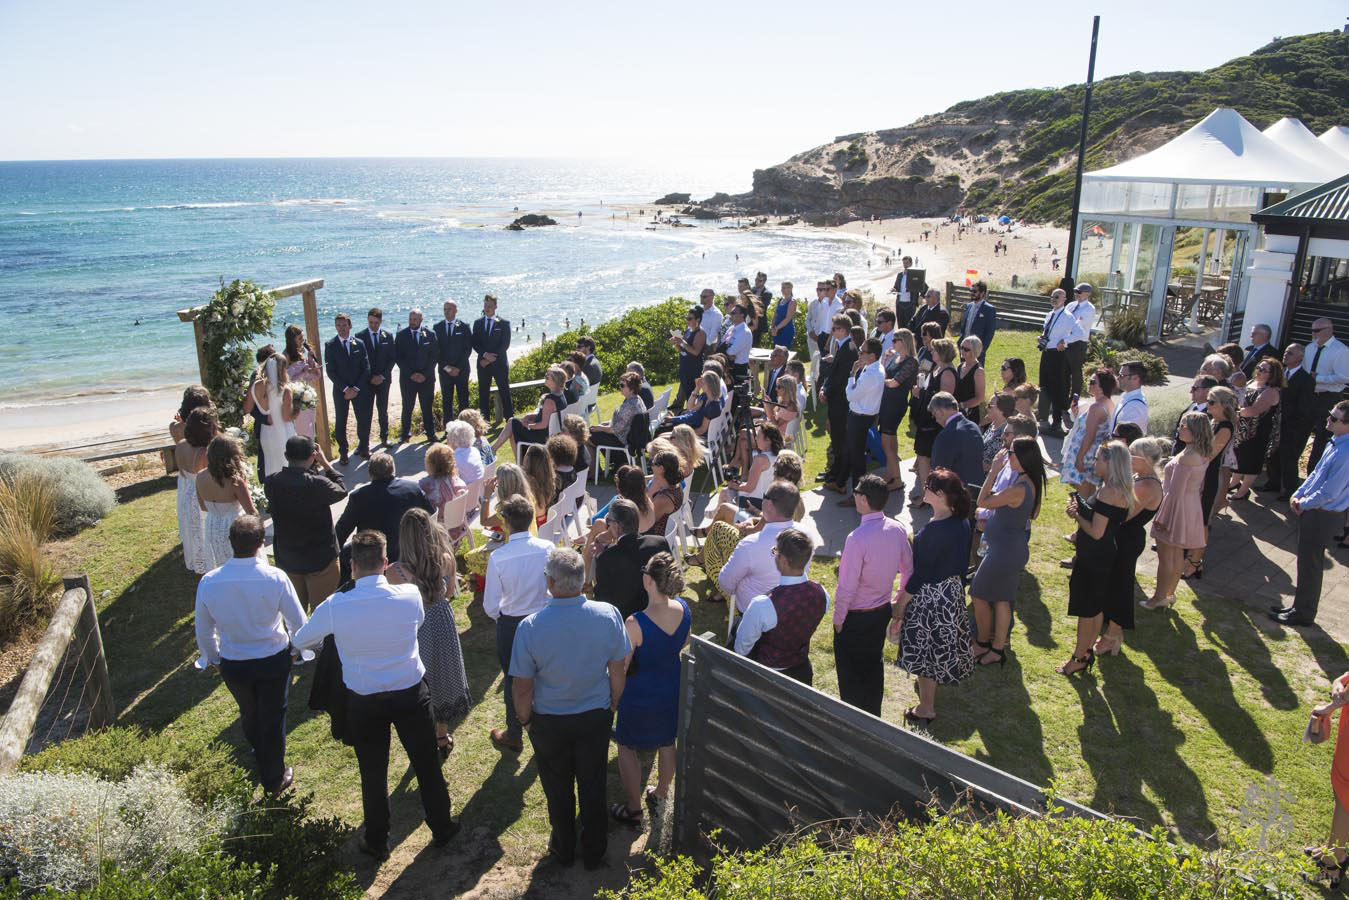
[
  {"x": 222, "y": 493},
  {"x": 271, "y": 393}
]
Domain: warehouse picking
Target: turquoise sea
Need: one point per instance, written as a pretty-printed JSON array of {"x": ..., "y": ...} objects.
[{"x": 89, "y": 248}]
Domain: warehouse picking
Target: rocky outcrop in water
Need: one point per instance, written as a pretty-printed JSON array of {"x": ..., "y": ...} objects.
[{"x": 530, "y": 221}]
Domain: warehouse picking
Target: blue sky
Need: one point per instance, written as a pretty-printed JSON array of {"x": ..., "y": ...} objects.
[{"x": 751, "y": 81}]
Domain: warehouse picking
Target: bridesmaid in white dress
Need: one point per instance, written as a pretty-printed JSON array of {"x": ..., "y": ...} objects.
[
  {"x": 222, "y": 493},
  {"x": 271, "y": 393},
  {"x": 190, "y": 456}
]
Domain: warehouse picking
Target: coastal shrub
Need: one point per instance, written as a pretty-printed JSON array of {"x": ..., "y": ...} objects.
[
  {"x": 80, "y": 496},
  {"x": 300, "y": 853},
  {"x": 1102, "y": 352},
  {"x": 1048, "y": 858},
  {"x": 1130, "y": 329},
  {"x": 57, "y": 829},
  {"x": 182, "y": 876},
  {"x": 1164, "y": 409},
  {"x": 27, "y": 580}
]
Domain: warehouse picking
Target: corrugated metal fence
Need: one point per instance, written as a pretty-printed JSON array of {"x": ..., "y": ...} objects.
[{"x": 761, "y": 756}]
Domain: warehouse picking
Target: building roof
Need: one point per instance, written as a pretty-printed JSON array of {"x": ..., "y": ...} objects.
[
  {"x": 1295, "y": 137},
  {"x": 1327, "y": 204},
  {"x": 1337, "y": 138},
  {"x": 1222, "y": 149}
]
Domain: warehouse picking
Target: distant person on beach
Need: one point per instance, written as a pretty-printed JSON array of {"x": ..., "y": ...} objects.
[
  {"x": 348, "y": 368},
  {"x": 454, "y": 342},
  {"x": 491, "y": 340},
  {"x": 416, "y": 352},
  {"x": 379, "y": 349}
]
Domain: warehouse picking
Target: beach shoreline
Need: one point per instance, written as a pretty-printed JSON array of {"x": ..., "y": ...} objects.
[{"x": 73, "y": 419}]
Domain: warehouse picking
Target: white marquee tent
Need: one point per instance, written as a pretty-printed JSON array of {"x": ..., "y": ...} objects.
[
  {"x": 1337, "y": 138},
  {"x": 1292, "y": 135}
]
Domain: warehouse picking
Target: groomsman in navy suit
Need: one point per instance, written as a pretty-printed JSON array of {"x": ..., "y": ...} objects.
[
  {"x": 491, "y": 339},
  {"x": 981, "y": 318},
  {"x": 379, "y": 350},
  {"x": 454, "y": 340},
  {"x": 415, "y": 351},
  {"x": 348, "y": 369}
]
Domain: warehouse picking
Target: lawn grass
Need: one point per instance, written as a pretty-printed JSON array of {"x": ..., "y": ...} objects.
[{"x": 1205, "y": 706}]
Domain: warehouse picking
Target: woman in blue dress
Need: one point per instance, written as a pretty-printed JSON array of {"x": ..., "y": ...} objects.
[
  {"x": 783, "y": 332},
  {"x": 648, "y": 711}
]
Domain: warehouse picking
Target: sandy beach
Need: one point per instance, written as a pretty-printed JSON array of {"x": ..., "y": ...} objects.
[{"x": 944, "y": 255}]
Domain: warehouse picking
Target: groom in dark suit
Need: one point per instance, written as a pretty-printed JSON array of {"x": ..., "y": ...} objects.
[
  {"x": 379, "y": 351},
  {"x": 454, "y": 341},
  {"x": 348, "y": 369},
  {"x": 491, "y": 339},
  {"x": 415, "y": 351}
]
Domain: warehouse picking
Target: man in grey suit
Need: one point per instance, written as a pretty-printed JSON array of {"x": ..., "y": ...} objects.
[{"x": 981, "y": 318}]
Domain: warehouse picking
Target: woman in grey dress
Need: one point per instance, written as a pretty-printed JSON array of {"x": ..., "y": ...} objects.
[
  {"x": 1007, "y": 537},
  {"x": 425, "y": 560}
]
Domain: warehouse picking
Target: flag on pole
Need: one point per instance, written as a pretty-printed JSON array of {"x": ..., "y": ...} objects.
[{"x": 971, "y": 276}]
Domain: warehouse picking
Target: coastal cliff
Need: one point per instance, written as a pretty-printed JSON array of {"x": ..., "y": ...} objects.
[{"x": 1015, "y": 152}]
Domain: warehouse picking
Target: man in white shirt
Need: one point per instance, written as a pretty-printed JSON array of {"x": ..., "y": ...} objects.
[
  {"x": 374, "y": 625},
  {"x": 1059, "y": 329},
  {"x": 1328, "y": 361},
  {"x": 863, "y": 391},
  {"x": 750, "y": 571},
  {"x": 820, "y": 315},
  {"x": 246, "y": 611},
  {"x": 1132, "y": 406},
  {"x": 514, "y": 589},
  {"x": 739, "y": 341},
  {"x": 711, "y": 321},
  {"x": 1084, "y": 314},
  {"x": 776, "y": 628},
  {"x": 885, "y": 330}
]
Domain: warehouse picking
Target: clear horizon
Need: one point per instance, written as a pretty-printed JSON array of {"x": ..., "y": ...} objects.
[{"x": 751, "y": 83}]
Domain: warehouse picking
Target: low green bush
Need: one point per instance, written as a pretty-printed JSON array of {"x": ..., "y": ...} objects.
[
  {"x": 210, "y": 874},
  {"x": 1102, "y": 352},
  {"x": 955, "y": 858},
  {"x": 82, "y": 498}
]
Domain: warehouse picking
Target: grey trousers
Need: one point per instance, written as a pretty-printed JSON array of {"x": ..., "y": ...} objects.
[{"x": 1315, "y": 528}]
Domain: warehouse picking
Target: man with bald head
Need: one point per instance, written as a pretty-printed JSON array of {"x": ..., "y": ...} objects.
[
  {"x": 1328, "y": 362},
  {"x": 415, "y": 351}
]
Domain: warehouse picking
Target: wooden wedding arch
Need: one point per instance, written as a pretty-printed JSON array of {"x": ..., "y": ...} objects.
[{"x": 307, "y": 291}]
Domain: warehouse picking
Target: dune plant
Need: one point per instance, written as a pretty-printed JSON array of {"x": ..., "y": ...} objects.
[
  {"x": 27, "y": 580},
  {"x": 80, "y": 497}
]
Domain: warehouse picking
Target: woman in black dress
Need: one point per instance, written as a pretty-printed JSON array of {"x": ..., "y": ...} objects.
[
  {"x": 942, "y": 378},
  {"x": 970, "y": 381},
  {"x": 1145, "y": 456},
  {"x": 534, "y": 427},
  {"x": 690, "y": 346},
  {"x": 1222, "y": 410},
  {"x": 1258, "y": 423},
  {"x": 901, "y": 373},
  {"x": 1098, "y": 521}
]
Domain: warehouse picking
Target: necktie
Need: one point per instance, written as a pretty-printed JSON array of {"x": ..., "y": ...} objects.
[
  {"x": 370, "y": 337},
  {"x": 1317, "y": 358},
  {"x": 1052, "y": 319},
  {"x": 345, "y": 348}
]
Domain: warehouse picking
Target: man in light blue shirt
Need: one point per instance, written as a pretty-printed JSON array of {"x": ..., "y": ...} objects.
[
  {"x": 568, "y": 673},
  {"x": 1319, "y": 505}
]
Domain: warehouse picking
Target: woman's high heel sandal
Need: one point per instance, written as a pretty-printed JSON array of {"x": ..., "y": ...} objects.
[
  {"x": 978, "y": 648},
  {"x": 1197, "y": 570},
  {"x": 1107, "y": 645},
  {"x": 993, "y": 655},
  {"x": 1084, "y": 664},
  {"x": 1158, "y": 604}
]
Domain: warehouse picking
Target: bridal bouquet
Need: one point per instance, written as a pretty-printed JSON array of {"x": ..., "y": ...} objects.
[
  {"x": 303, "y": 396},
  {"x": 259, "y": 497}
]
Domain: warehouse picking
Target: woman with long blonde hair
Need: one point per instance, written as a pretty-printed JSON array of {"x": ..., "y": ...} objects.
[
  {"x": 509, "y": 480},
  {"x": 1178, "y": 526},
  {"x": 1145, "y": 455},
  {"x": 424, "y": 560},
  {"x": 1098, "y": 520},
  {"x": 1222, "y": 409}
]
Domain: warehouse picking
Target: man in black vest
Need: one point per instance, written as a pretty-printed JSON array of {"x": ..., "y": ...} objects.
[
  {"x": 491, "y": 340},
  {"x": 348, "y": 369},
  {"x": 379, "y": 350},
  {"x": 908, "y": 290},
  {"x": 777, "y": 626},
  {"x": 416, "y": 353},
  {"x": 454, "y": 340}
]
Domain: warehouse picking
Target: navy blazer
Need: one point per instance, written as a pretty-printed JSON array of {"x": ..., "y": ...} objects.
[
  {"x": 498, "y": 342},
  {"x": 381, "y": 360},
  {"x": 959, "y": 446},
  {"x": 983, "y": 326},
  {"x": 618, "y": 571},
  {"x": 380, "y": 505},
  {"x": 1297, "y": 401},
  {"x": 346, "y": 367},
  {"x": 1253, "y": 356},
  {"x": 926, "y": 314},
  {"x": 417, "y": 354},
  {"x": 454, "y": 344},
  {"x": 840, "y": 370}
]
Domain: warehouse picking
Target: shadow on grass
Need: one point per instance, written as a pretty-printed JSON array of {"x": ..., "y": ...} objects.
[
  {"x": 995, "y": 703},
  {"x": 1329, "y": 653},
  {"x": 1129, "y": 741},
  {"x": 1228, "y": 625},
  {"x": 1031, "y": 611},
  {"x": 1202, "y": 676},
  {"x": 135, "y": 491}
]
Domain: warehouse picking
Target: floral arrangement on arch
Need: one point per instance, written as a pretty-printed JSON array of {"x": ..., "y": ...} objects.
[{"x": 236, "y": 314}]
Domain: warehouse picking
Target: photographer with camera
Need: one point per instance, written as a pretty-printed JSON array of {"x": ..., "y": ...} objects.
[
  {"x": 300, "y": 499},
  {"x": 1059, "y": 330}
]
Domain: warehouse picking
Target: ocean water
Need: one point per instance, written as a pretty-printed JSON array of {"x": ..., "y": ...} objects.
[{"x": 88, "y": 249}]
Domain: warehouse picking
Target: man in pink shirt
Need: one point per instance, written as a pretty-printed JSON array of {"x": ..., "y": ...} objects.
[{"x": 875, "y": 552}]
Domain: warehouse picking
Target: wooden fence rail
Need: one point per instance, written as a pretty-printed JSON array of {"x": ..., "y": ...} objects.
[{"x": 75, "y": 619}]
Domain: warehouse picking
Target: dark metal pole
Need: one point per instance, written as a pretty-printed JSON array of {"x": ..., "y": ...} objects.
[{"x": 1070, "y": 260}]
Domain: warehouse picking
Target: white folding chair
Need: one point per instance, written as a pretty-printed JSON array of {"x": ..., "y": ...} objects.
[
  {"x": 553, "y": 428},
  {"x": 689, "y": 525},
  {"x": 660, "y": 406},
  {"x": 715, "y": 454},
  {"x": 551, "y": 529},
  {"x": 674, "y": 532},
  {"x": 570, "y": 504},
  {"x": 455, "y": 513},
  {"x": 591, "y": 403},
  {"x": 471, "y": 508}
]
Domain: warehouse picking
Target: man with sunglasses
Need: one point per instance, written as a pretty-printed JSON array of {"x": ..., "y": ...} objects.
[
  {"x": 1320, "y": 505},
  {"x": 1330, "y": 367}
]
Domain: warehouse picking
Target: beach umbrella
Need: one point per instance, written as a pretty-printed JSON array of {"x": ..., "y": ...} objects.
[{"x": 1004, "y": 220}]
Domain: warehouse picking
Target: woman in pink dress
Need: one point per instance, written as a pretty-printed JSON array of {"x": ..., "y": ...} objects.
[
  {"x": 442, "y": 483},
  {"x": 302, "y": 366},
  {"x": 1179, "y": 524}
]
